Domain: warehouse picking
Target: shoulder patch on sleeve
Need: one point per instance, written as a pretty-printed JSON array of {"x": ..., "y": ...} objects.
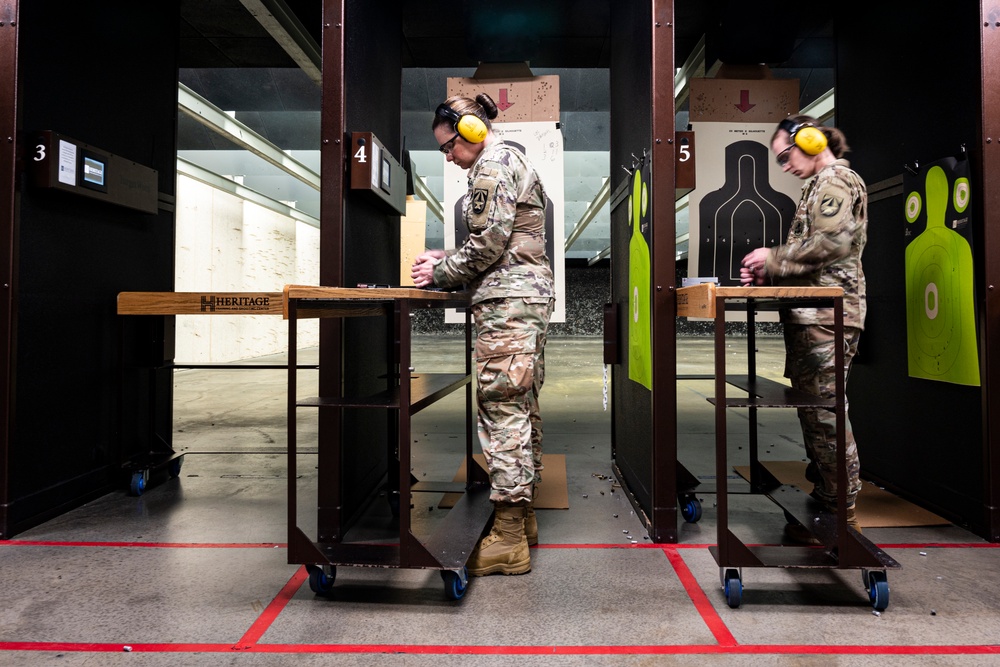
[
  {"x": 481, "y": 195},
  {"x": 479, "y": 199},
  {"x": 830, "y": 206}
]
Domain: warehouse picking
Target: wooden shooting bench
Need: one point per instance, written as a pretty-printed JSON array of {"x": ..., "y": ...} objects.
[
  {"x": 445, "y": 547},
  {"x": 842, "y": 547},
  {"x": 155, "y": 451}
]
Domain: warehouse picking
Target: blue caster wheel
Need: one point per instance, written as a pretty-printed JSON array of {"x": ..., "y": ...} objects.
[
  {"x": 455, "y": 583},
  {"x": 878, "y": 590},
  {"x": 138, "y": 484},
  {"x": 321, "y": 578},
  {"x": 691, "y": 509},
  {"x": 174, "y": 467},
  {"x": 733, "y": 586}
]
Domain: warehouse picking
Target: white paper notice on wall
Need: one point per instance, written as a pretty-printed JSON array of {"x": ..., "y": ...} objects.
[
  {"x": 376, "y": 163},
  {"x": 67, "y": 162}
]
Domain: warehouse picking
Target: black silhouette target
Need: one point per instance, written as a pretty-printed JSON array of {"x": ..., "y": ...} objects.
[{"x": 745, "y": 213}]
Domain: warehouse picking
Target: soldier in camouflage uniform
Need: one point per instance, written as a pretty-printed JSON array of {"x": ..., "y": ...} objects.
[
  {"x": 823, "y": 249},
  {"x": 504, "y": 266}
]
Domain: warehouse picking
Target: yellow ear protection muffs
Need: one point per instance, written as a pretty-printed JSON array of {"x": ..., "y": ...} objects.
[
  {"x": 809, "y": 138},
  {"x": 469, "y": 127}
]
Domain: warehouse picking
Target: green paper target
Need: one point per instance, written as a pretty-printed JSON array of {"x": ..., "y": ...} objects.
[
  {"x": 940, "y": 307},
  {"x": 640, "y": 348}
]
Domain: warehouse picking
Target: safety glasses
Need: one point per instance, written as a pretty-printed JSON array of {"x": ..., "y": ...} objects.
[
  {"x": 449, "y": 145},
  {"x": 784, "y": 156}
]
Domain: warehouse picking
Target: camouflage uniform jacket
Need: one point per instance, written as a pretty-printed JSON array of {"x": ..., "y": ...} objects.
[
  {"x": 824, "y": 245},
  {"x": 504, "y": 254}
]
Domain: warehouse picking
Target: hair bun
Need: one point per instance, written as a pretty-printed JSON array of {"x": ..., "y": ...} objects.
[{"x": 488, "y": 105}]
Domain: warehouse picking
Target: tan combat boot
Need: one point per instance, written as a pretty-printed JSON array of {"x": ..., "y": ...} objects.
[
  {"x": 852, "y": 519},
  {"x": 800, "y": 534},
  {"x": 530, "y": 526},
  {"x": 505, "y": 549},
  {"x": 530, "y": 522}
]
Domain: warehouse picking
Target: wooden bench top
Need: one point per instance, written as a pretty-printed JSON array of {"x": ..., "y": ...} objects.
[
  {"x": 261, "y": 303},
  {"x": 200, "y": 303},
  {"x": 364, "y": 293},
  {"x": 699, "y": 300}
]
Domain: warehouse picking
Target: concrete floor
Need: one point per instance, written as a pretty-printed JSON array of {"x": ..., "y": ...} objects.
[{"x": 194, "y": 571}]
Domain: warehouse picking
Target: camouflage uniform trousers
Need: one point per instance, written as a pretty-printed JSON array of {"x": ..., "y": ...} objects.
[
  {"x": 510, "y": 366},
  {"x": 810, "y": 365}
]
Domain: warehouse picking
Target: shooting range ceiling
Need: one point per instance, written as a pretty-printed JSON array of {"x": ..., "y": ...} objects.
[
  {"x": 552, "y": 34},
  {"x": 229, "y": 57}
]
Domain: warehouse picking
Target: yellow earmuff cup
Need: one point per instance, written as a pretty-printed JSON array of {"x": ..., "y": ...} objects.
[
  {"x": 811, "y": 140},
  {"x": 471, "y": 128}
]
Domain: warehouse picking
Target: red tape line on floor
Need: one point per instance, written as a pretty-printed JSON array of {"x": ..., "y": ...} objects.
[
  {"x": 417, "y": 649},
  {"x": 708, "y": 614},
  {"x": 270, "y": 613},
  {"x": 145, "y": 545},
  {"x": 726, "y": 642}
]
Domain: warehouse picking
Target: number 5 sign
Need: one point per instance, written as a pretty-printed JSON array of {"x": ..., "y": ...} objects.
[{"x": 684, "y": 166}]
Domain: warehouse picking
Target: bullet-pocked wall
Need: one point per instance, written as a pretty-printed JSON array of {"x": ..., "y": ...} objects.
[
  {"x": 105, "y": 75},
  {"x": 921, "y": 438},
  {"x": 225, "y": 243},
  {"x": 587, "y": 290}
]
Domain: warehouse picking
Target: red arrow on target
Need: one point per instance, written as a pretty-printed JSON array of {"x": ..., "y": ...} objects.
[
  {"x": 503, "y": 104},
  {"x": 744, "y": 104}
]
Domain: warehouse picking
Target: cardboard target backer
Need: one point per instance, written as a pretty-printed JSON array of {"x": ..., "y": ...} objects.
[{"x": 519, "y": 96}]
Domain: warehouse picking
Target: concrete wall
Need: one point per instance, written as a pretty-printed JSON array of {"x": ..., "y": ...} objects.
[{"x": 226, "y": 244}]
